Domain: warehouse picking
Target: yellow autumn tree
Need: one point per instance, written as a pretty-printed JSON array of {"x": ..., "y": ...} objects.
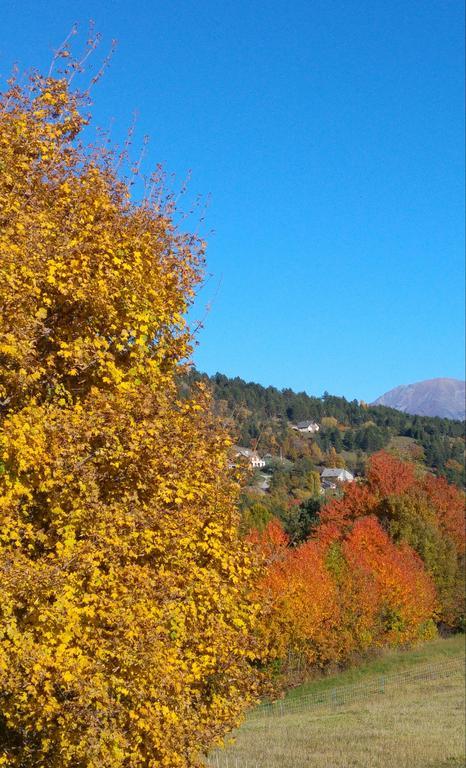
[{"x": 125, "y": 611}]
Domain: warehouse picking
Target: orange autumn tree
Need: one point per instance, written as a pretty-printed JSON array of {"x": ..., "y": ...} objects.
[
  {"x": 406, "y": 597},
  {"x": 126, "y": 611},
  {"x": 416, "y": 518},
  {"x": 340, "y": 595},
  {"x": 299, "y": 601},
  {"x": 418, "y": 509}
]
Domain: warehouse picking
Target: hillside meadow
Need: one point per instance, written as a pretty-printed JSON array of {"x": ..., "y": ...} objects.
[{"x": 393, "y": 716}]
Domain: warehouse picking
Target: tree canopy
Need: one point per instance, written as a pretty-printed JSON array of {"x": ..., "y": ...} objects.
[{"x": 126, "y": 612}]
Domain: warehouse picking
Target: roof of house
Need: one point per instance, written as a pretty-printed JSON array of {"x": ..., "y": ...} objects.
[
  {"x": 246, "y": 452},
  {"x": 341, "y": 474},
  {"x": 239, "y": 450},
  {"x": 306, "y": 424}
]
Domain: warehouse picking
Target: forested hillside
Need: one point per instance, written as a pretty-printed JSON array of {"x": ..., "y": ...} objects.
[{"x": 262, "y": 416}]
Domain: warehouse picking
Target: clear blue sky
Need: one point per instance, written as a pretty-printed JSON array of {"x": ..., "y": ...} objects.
[{"x": 329, "y": 134}]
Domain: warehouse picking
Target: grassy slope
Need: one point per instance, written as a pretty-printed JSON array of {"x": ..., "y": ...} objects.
[
  {"x": 390, "y": 662},
  {"x": 414, "y": 724}
]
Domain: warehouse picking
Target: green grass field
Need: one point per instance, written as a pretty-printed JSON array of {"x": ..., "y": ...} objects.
[{"x": 402, "y": 710}]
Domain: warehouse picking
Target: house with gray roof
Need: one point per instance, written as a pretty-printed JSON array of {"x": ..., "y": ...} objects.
[
  {"x": 336, "y": 475},
  {"x": 255, "y": 461},
  {"x": 307, "y": 426}
]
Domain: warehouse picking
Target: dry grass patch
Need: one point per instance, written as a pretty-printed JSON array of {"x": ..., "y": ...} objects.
[{"x": 414, "y": 724}]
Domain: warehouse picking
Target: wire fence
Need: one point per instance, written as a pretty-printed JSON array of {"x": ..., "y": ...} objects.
[
  {"x": 345, "y": 694},
  {"x": 338, "y": 696}
]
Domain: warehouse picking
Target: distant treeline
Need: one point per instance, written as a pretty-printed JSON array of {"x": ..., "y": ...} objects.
[{"x": 358, "y": 426}]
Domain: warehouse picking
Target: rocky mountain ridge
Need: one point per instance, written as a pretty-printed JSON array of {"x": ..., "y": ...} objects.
[{"x": 434, "y": 397}]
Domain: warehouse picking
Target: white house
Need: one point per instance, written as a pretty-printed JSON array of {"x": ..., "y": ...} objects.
[
  {"x": 337, "y": 475},
  {"x": 307, "y": 426},
  {"x": 254, "y": 459}
]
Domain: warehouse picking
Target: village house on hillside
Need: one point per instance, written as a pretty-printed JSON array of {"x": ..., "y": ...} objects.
[
  {"x": 333, "y": 476},
  {"x": 253, "y": 457},
  {"x": 306, "y": 426}
]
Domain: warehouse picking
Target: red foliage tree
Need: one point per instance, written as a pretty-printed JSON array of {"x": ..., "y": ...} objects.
[
  {"x": 387, "y": 474},
  {"x": 449, "y": 502},
  {"x": 340, "y": 513},
  {"x": 406, "y": 594},
  {"x": 381, "y": 566},
  {"x": 421, "y": 510},
  {"x": 301, "y": 606},
  {"x": 271, "y": 543}
]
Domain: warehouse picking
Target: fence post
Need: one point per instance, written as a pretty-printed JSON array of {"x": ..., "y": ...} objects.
[{"x": 382, "y": 684}]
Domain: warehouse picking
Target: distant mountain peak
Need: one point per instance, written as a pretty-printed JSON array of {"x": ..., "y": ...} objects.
[{"x": 433, "y": 397}]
